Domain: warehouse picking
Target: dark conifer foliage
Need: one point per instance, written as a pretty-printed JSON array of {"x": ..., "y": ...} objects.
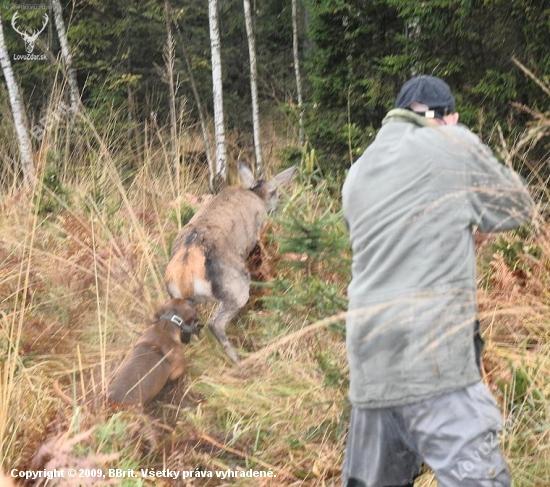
[
  {"x": 364, "y": 51},
  {"x": 357, "y": 54}
]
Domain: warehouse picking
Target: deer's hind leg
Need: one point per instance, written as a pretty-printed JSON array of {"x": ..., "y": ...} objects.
[{"x": 231, "y": 287}]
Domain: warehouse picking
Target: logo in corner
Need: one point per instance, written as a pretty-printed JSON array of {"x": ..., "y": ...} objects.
[{"x": 28, "y": 37}]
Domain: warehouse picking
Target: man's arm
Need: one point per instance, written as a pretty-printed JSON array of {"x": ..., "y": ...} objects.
[{"x": 499, "y": 196}]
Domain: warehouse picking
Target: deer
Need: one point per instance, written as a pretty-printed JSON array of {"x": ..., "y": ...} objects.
[
  {"x": 157, "y": 356},
  {"x": 29, "y": 39},
  {"x": 208, "y": 259}
]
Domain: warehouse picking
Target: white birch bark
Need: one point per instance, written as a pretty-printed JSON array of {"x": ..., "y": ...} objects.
[
  {"x": 18, "y": 112},
  {"x": 254, "y": 87},
  {"x": 219, "y": 127},
  {"x": 205, "y": 136},
  {"x": 67, "y": 56},
  {"x": 297, "y": 71}
]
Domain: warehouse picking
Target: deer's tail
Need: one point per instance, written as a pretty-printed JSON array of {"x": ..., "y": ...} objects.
[{"x": 186, "y": 274}]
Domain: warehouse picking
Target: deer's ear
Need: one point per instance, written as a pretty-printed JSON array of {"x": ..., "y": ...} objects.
[
  {"x": 246, "y": 176},
  {"x": 281, "y": 179}
]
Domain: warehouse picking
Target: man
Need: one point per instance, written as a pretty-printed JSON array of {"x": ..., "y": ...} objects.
[{"x": 411, "y": 203}]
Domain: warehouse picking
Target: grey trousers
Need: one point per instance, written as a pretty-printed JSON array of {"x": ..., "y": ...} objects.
[{"x": 456, "y": 434}]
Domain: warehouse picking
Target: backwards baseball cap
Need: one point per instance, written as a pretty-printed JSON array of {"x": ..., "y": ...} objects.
[{"x": 427, "y": 90}]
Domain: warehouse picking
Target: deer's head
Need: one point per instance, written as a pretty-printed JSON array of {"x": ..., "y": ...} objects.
[
  {"x": 29, "y": 38},
  {"x": 266, "y": 190}
]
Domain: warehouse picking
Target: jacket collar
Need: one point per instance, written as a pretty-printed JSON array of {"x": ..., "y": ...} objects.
[{"x": 405, "y": 116}]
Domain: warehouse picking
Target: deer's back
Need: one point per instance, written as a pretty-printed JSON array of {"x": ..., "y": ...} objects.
[{"x": 229, "y": 225}]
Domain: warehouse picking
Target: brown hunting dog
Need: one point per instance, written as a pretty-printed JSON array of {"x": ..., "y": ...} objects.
[
  {"x": 157, "y": 356},
  {"x": 209, "y": 255}
]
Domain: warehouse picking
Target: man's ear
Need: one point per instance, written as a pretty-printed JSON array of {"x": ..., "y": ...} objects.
[{"x": 451, "y": 119}]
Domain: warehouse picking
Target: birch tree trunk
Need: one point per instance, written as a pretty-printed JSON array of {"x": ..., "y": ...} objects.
[
  {"x": 254, "y": 87},
  {"x": 205, "y": 136},
  {"x": 18, "y": 111},
  {"x": 67, "y": 56},
  {"x": 297, "y": 71},
  {"x": 219, "y": 128}
]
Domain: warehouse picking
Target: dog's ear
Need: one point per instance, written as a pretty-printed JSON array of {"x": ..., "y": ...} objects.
[
  {"x": 194, "y": 314},
  {"x": 162, "y": 310},
  {"x": 158, "y": 313}
]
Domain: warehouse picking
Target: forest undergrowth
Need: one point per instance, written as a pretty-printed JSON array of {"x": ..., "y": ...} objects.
[{"x": 82, "y": 255}]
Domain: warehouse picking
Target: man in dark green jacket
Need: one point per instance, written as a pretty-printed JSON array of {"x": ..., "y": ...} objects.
[{"x": 411, "y": 203}]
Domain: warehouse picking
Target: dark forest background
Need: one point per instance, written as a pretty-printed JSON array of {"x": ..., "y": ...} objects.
[{"x": 355, "y": 55}]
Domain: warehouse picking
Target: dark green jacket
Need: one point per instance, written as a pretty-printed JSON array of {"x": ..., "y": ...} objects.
[{"x": 411, "y": 203}]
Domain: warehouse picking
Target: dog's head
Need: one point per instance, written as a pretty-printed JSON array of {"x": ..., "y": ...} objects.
[
  {"x": 178, "y": 317},
  {"x": 184, "y": 308}
]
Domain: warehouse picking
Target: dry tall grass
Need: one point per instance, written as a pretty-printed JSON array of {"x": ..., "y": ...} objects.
[{"x": 81, "y": 262}]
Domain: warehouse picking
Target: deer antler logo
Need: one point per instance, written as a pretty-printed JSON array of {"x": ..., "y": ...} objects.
[{"x": 29, "y": 39}]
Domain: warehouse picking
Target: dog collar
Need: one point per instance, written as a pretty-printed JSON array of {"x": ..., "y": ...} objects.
[{"x": 186, "y": 330}]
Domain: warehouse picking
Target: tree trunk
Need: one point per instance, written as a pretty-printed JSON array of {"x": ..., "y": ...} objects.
[
  {"x": 254, "y": 87},
  {"x": 18, "y": 111},
  {"x": 205, "y": 136},
  {"x": 297, "y": 71},
  {"x": 67, "y": 56},
  {"x": 215, "y": 44}
]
